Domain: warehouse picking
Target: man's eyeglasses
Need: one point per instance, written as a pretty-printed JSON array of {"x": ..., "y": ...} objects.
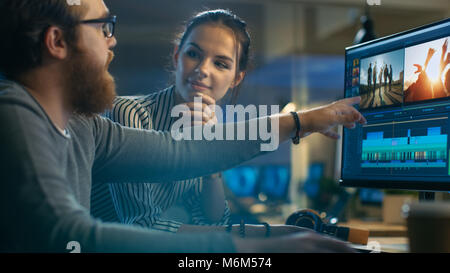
[{"x": 108, "y": 26}]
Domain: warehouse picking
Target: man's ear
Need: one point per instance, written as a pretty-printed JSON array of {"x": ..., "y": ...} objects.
[
  {"x": 175, "y": 56},
  {"x": 240, "y": 76},
  {"x": 55, "y": 44}
]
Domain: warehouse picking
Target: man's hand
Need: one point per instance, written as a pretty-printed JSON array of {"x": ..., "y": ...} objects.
[
  {"x": 301, "y": 242},
  {"x": 323, "y": 119}
]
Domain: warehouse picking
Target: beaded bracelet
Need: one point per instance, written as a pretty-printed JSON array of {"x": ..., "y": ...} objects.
[
  {"x": 267, "y": 229},
  {"x": 296, "y": 139},
  {"x": 229, "y": 227},
  {"x": 242, "y": 229}
]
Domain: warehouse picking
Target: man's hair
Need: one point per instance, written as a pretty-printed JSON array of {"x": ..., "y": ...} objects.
[{"x": 23, "y": 24}]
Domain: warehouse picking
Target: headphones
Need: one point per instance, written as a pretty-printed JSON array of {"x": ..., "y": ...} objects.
[{"x": 308, "y": 218}]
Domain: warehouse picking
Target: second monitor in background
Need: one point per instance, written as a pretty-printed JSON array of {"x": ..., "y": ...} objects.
[{"x": 266, "y": 183}]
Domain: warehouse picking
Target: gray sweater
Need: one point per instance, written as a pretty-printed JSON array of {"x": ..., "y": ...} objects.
[{"x": 46, "y": 178}]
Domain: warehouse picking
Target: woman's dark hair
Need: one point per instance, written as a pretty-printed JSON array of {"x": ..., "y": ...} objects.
[
  {"x": 23, "y": 24},
  {"x": 227, "y": 19}
]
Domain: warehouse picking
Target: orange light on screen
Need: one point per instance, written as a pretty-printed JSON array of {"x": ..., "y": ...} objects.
[{"x": 433, "y": 67}]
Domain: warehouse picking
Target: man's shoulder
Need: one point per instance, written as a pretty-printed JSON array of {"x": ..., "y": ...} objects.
[
  {"x": 25, "y": 119},
  {"x": 12, "y": 91},
  {"x": 14, "y": 96},
  {"x": 88, "y": 124}
]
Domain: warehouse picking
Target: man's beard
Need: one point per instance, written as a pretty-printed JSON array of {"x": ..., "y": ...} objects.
[{"x": 90, "y": 87}]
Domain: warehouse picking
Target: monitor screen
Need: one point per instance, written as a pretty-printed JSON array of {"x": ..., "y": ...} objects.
[
  {"x": 404, "y": 84},
  {"x": 250, "y": 181},
  {"x": 274, "y": 182},
  {"x": 242, "y": 181}
]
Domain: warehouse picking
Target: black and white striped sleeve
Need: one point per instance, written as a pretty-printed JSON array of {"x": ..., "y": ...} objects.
[{"x": 129, "y": 112}]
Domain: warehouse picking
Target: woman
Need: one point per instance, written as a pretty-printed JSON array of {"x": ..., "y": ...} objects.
[
  {"x": 210, "y": 59},
  {"x": 214, "y": 49}
]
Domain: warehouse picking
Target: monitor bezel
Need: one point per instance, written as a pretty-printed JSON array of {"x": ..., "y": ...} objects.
[
  {"x": 399, "y": 184},
  {"x": 420, "y": 28}
]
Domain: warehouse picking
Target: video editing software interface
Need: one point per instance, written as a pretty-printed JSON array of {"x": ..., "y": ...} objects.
[{"x": 404, "y": 84}]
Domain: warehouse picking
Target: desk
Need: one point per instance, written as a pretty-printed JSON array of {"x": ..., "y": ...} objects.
[
  {"x": 385, "y": 237},
  {"x": 385, "y": 244},
  {"x": 378, "y": 229},
  {"x": 391, "y": 238}
]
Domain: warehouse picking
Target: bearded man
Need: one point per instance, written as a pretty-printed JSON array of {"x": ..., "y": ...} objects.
[{"x": 54, "y": 144}]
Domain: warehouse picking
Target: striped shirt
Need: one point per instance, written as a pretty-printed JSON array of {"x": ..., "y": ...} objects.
[{"x": 143, "y": 203}]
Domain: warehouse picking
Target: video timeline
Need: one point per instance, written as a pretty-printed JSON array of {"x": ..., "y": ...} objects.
[{"x": 406, "y": 147}]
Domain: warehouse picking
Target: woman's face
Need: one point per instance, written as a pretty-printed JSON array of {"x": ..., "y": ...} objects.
[{"x": 206, "y": 63}]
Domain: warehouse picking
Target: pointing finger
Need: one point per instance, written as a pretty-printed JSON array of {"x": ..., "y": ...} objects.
[
  {"x": 331, "y": 134},
  {"x": 350, "y": 101}
]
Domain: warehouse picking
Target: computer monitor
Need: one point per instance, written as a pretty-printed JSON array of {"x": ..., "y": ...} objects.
[
  {"x": 251, "y": 181},
  {"x": 274, "y": 182},
  {"x": 404, "y": 84},
  {"x": 242, "y": 181}
]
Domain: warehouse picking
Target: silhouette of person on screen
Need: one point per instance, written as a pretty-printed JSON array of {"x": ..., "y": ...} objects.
[
  {"x": 380, "y": 80},
  {"x": 390, "y": 76},
  {"x": 374, "y": 78}
]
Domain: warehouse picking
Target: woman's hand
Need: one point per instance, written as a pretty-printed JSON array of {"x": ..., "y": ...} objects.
[{"x": 202, "y": 113}]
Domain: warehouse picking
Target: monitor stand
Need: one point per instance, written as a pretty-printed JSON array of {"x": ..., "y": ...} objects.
[{"x": 426, "y": 196}]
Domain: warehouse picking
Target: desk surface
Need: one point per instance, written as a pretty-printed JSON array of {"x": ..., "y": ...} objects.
[
  {"x": 385, "y": 244},
  {"x": 390, "y": 238},
  {"x": 382, "y": 237},
  {"x": 378, "y": 229}
]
